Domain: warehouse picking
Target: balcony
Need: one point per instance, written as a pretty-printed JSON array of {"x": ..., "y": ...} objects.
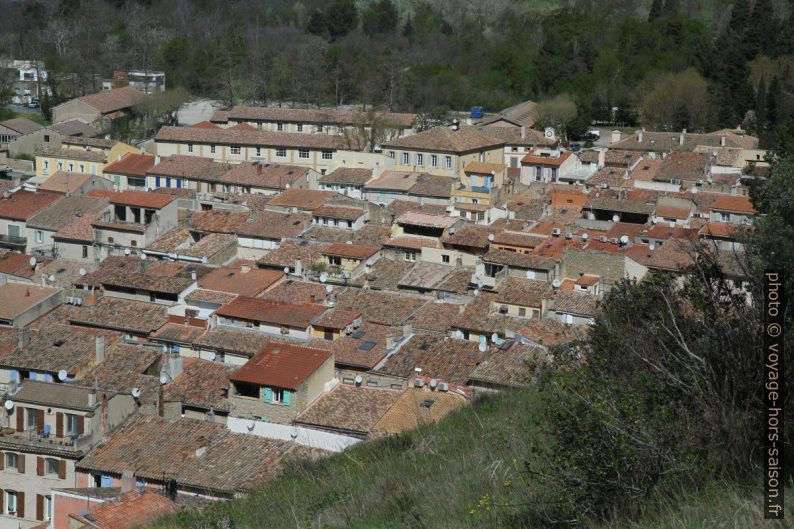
[
  {"x": 32, "y": 439},
  {"x": 13, "y": 242}
]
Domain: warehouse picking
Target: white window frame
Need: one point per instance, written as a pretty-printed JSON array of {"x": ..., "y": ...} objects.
[
  {"x": 328, "y": 155},
  {"x": 405, "y": 158},
  {"x": 303, "y": 153},
  {"x": 281, "y": 152},
  {"x": 9, "y": 456},
  {"x": 280, "y": 127},
  {"x": 189, "y": 147},
  {"x": 420, "y": 159},
  {"x": 11, "y": 494},
  {"x": 39, "y": 236},
  {"x": 50, "y": 466},
  {"x": 234, "y": 149},
  {"x": 81, "y": 168},
  {"x": 48, "y": 507},
  {"x": 300, "y": 127},
  {"x": 46, "y": 168},
  {"x": 70, "y": 167},
  {"x": 448, "y": 162},
  {"x": 212, "y": 149},
  {"x": 276, "y": 395}
]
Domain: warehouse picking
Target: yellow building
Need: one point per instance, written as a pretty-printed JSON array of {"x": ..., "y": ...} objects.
[
  {"x": 80, "y": 155},
  {"x": 444, "y": 150}
]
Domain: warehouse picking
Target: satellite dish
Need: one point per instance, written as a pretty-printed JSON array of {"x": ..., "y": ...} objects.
[
  {"x": 329, "y": 288},
  {"x": 459, "y": 334},
  {"x": 482, "y": 347},
  {"x": 9, "y": 405},
  {"x": 163, "y": 379},
  {"x": 323, "y": 278},
  {"x": 143, "y": 257},
  {"x": 82, "y": 271},
  {"x": 494, "y": 337},
  {"x": 651, "y": 247},
  {"x": 479, "y": 283},
  {"x": 212, "y": 355},
  {"x": 51, "y": 278},
  {"x": 286, "y": 269},
  {"x": 251, "y": 425},
  {"x": 624, "y": 239},
  {"x": 556, "y": 283},
  {"x": 294, "y": 432},
  {"x": 126, "y": 251},
  {"x": 433, "y": 383},
  {"x": 585, "y": 236},
  {"x": 476, "y": 291},
  {"x": 136, "y": 392},
  {"x": 62, "y": 375},
  {"x": 359, "y": 380},
  {"x": 204, "y": 260},
  {"x": 615, "y": 218},
  {"x": 32, "y": 261},
  {"x": 490, "y": 237}
]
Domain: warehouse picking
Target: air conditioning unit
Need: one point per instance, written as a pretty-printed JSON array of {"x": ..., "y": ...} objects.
[
  {"x": 418, "y": 382},
  {"x": 604, "y": 238},
  {"x": 443, "y": 386},
  {"x": 78, "y": 301},
  {"x": 615, "y": 240},
  {"x": 555, "y": 232}
]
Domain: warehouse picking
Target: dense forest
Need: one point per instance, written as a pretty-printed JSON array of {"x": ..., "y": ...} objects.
[{"x": 663, "y": 64}]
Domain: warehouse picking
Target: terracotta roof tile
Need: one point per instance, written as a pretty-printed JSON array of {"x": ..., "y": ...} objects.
[
  {"x": 23, "y": 204},
  {"x": 734, "y": 204},
  {"x": 381, "y": 307},
  {"x": 114, "y": 100},
  {"x": 350, "y": 408},
  {"x": 347, "y": 175},
  {"x": 281, "y": 365},
  {"x": 366, "y": 346},
  {"x": 201, "y": 384},
  {"x": 256, "y": 138},
  {"x": 513, "y": 366},
  {"x": 128, "y": 511},
  {"x": 319, "y": 116},
  {"x": 261, "y": 310},
  {"x": 351, "y": 251},
  {"x": 131, "y": 164},
  {"x": 245, "y": 283},
  {"x": 444, "y": 139},
  {"x": 142, "y": 199}
]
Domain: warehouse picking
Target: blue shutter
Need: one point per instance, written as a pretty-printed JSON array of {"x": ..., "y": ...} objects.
[
  {"x": 157, "y": 181},
  {"x": 178, "y": 182},
  {"x": 268, "y": 395},
  {"x": 106, "y": 482},
  {"x": 287, "y": 397},
  {"x": 14, "y": 375},
  {"x": 167, "y": 181}
]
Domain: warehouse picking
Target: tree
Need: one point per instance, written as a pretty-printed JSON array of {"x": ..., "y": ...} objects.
[
  {"x": 675, "y": 101},
  {"x": 656, "y": 10},
  {"x": 760, "y": 105},
  {"x": 341, "y": 17},
  {"x": 379, "y": 17},
  {"x": 316, "y": 23},
  {"x": 558, "y": 112}
]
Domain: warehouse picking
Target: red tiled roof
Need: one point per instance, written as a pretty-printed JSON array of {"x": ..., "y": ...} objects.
[
  {"x": 351, "y": 251},
  {"x": 131, "y": 164},
  {"x": 301, "y": 198},
  {"x": 281, "y": 365},
  {"x": 718, "y": 229},
  {"x": 736, "y": 204},
  {"x": 142, "y": 199},
  {"x": 23, "y": 204},
  {"x": 113, "y": 100},
  {"x": 235, "y": 281},
  {"x": 671, "y": 212},
  {"x": 287, "y": 314},
  {"x": 128, "y": 511},
  {"x": 204, "y": 125},
  {"x": 529, "y": 159},
  {"x": 81, "y": 229},
  {"x": 335, "y": 212}
]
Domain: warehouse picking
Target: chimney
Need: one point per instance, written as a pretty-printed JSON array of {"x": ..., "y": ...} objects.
[
  {"x": 389, "y": 343},
  {"x": 258, "y": 168},
  {"x": 602, "y": 158},
  {"x": 615, "y": 136},
  {"x": 92, "y": 398},
  {"x": 127, "y": 481},
  {"x": 245, "y": 268},
  {"x": 722, "y": 140},
  {"x": 100, "y": 349},
  {"x": 104, "y": 420},
  {"x": 193, "y": 275},
  {"x": 407, "y": 330},
  {"x": 175, "y": 366},
  {"x": 639, "y": 136},
  {"x": 523, "y": 132},
  {"x": 298, "y": 267},
  {"x": 681, "y": 137},
  {"x": 455, "y": 125},
  {"x": 461, "y": 309},
  {"x": 23, "y": 337},
  {"x": 157, "y": 159},
  {"x": 312, "y": 298}
]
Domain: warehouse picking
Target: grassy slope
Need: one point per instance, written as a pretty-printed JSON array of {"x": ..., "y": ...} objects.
[{"x": 467, "y": 471}]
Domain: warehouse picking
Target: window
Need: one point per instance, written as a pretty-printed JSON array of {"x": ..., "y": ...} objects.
[
  {"x": 93, "y": 168},
  {"x": 12, "y": 460},
  {"x": 406, "y": 158},
  {"x": 39, "y": 236},
  {"x": 47, "y": 138},
  {"x": 60, "y": 166},
  {"x": 410, "y": 256},
  {"x": 433, "y": 160},
  {"x": 133, "y": 243},
  {"x": 259, "y": 152},
  {"x": 246, "y": 390},
  {"x": 50, "y": 466},
  {"x": 335, "y": 260},
  {"x": 71, "y": 425},
  {"x": 445, "y": 259},
  {"x": 85, "y": 252},
  {"x": 392, "y": 154},
  {"x": 189, "y": 147},
  {"x": 81, "y": 168},
  {"x": 110, "y": 240},
  {"x": 279, "y": 127},
  {"x": 71, "y": 167},
  {"x": 11, "y": 502},
  {"x": 725, "y": 217},
  {"x": 303, "y": 153},
  {"x": 234, "y": 149},
  {"x": 319, "y": 128},
  {"x": 31, "y": 418},
  {"x": 276, "y": 395},
  {"x": 448, "y": 162},
  {"x": 420, "y": 160},
  {"x": 47, "y": 507},
  {"x": 350, "y": 224},
  {"x": 300, "y": 127},
  {"x": 503, "y": 309},
  {"x": 327, "y": 155},
  {"x": 522, "y": 312},
  {"x": 281, "y": 152},
  {"x": 212, "y": 149},
  {"x": 46, "y": 167}
]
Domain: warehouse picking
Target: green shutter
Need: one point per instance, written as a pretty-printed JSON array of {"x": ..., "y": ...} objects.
[
  {"x": 287, "y": 396},
  {"x": 268, "y": 394}
]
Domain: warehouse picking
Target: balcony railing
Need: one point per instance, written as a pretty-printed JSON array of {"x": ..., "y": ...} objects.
[{"x": 13, "y": 240}]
